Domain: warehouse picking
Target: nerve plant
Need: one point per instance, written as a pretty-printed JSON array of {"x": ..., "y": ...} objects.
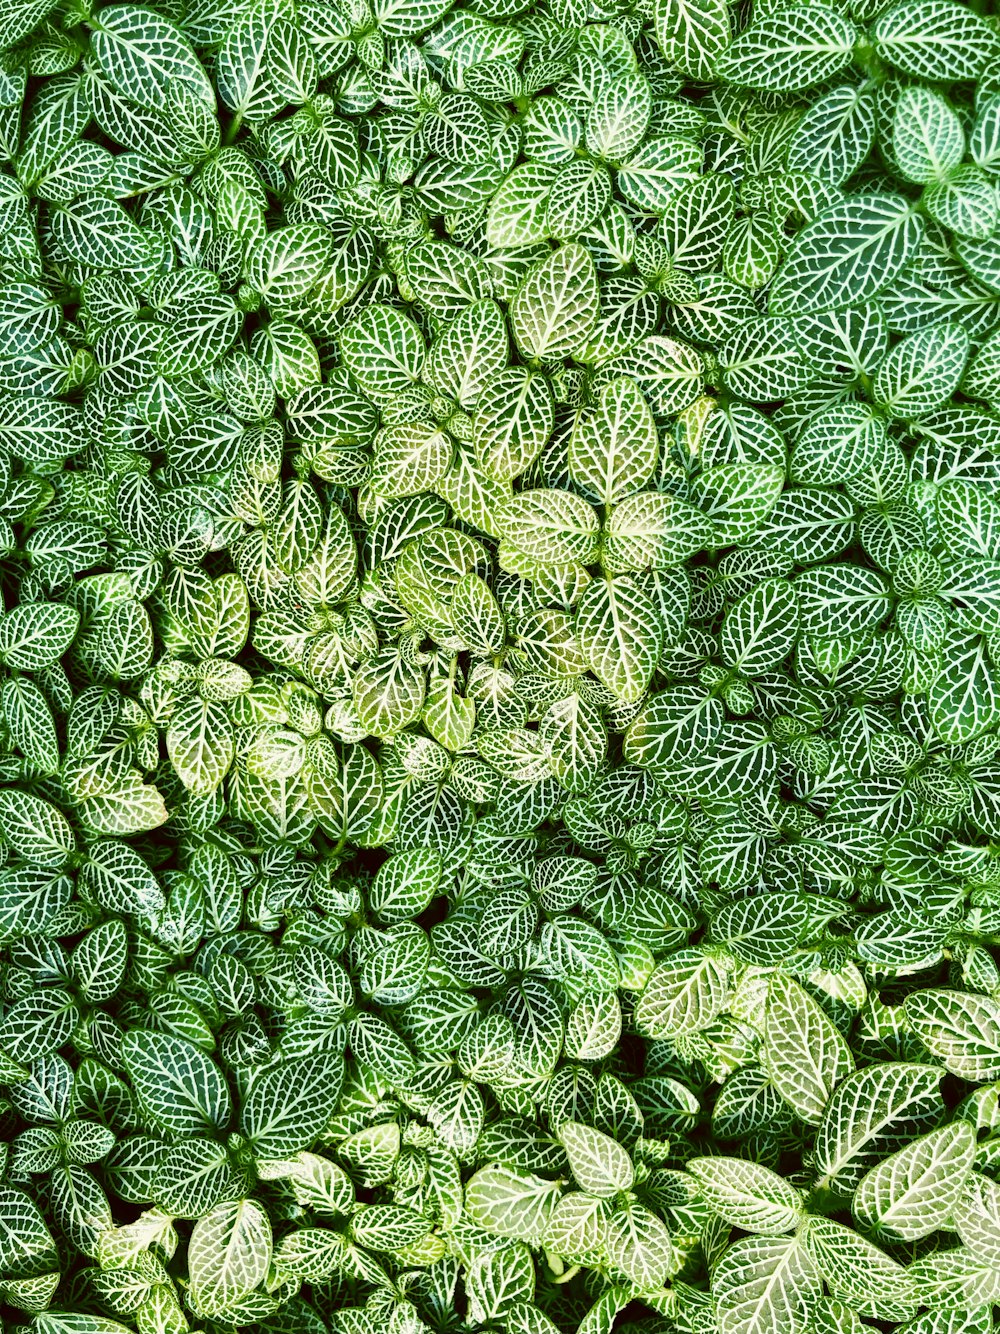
[{"x": 500, "y": 666}]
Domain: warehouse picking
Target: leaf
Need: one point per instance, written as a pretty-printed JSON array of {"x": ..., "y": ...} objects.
[
  {"x": 141, "y": 53},
  {"x": 668, "y": 372},
  {"x": 600, "y": 1165},
  {"x": 618, "y": 628},
  {"x": 517, "y": 214},
  {"x": 383, "y": 350},
  {"x": 96, "y": 231},
  {"x": 678, "y": 724},
  {"x": 388, "y": 693},
  {"x": 20, "y": 20},
  {"x": 35, "y": 829},
  {"x": 766, "y": 1285},
  {"x": 960, "y": 1029},
  {"x": 576, "y": 1227},
  {"x": 510, "y": 1204},
  {"x": 976, "y": 1216},
  {"x": 513, "y": 421},
  {"x": 574, "y": 736},
  {"x": 242, "y": 70},
  {"x": 737, "y": 497},
  {"x": 406, "y": 18},
  {"x": 551, "y": 526},
  {"x": 654, "y": 530},
  {"x": 638, "y": 1244},
  {"x": 785, "y": 54},
  {"x": 469, "y": 353},
  {"x": 37, "y": 1025},
  {"x": 922, "y": 371},
  {"x": 692, "y": 36},
  {"x": 856, "y": 1267},
  {"x": 835, "y": 134},
  {"x": 869, "y": 1115},
  {"x": 846, "y": 255},
  {"x": 613, "y": 451},
  {"x": 286, "y": 1108},
  {"x": 26, "y": 1238},
  {"x": 938, "y": 40},
  {"x": 964, "y": 698},
  {"x": 658, "y": 171},
  {"x": 34, "y": 635},
  {"x": 913, "y": 1192},
  {"x": 927, "y": 136},
  {"x": 803, "y": 1053},
  {"x": 201, "y": 745},
  {"x": 841, "y": 600},
  {"x": 747, "y": 1195},
  {"x": 180, "y": 1087},
  {"x": 405, "y": 884},
  {"x": 619, "y": 117},
  {"x": 555, "y": 307},
  {"x": 762, "y": 930},
  {"x": 499, "y": 1280},
  {"x": 684, "y": 993},
  {"x": 228, "y": 1255},
  {"x": 761, "y": 629}
]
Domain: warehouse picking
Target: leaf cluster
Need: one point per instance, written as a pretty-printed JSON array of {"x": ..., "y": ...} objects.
[{"x": 499, "y": 666}]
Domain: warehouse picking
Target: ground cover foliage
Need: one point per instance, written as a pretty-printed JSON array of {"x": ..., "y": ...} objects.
[{"x": 500, "y": 643}]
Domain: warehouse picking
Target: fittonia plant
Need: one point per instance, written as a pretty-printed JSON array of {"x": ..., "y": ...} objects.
[{"x": 501, "y": 667}]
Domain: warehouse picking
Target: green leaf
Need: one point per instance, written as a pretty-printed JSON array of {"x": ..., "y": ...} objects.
[
  {"x": 922, "y": 371},
  {"x": 938, "y": 40},
  {"x": 35, "y": 829},
  {"x": 913, "y": 1192},
  {"x": 181, "y": 1089},
  {"x": 692, "y": 36},
  {"x": 639, "y": 1246},
  {"x": 600, "y": 1165},
  {"x": 37, "y": 1025},
  {"x": 286, "y": 1108},
  {"x": 200, "y": 744},
  {"x": 677, "y": 725},
  {"x": 552, "y": 527},
  {"x": 684, "y": 993},
  {"x": 34, "y": 635},
  {"x": 762, "y": 628},
  {"x": 618, "y": 628},
  {"x": 803, "y": 1053},
  {"x": 846, "y": 255},
  {"x": 654, "y": 530},
  {"x": 766, "y": 1285},
  {"x": 228, "y": 1255},
  {"x": 784, "y": 53},
  {"x": 514, "y": 418},
  {"x": 869, "y": 1115},
  {"x": 737, "y": 497},
  {"x": 855, "y": 1267},
  {"x": 839, "y": 600},
  {"x": 612, "y": 452},
  {"x": 141, "y": 53},
  {"x": 964, "y": 698},
  {"x": 747, "y": 1195},
  {"x": 962, "y": 1030},
  {"x": 510, "y": 1204},
  {"x": 383, "y": 350},
  {"x": 26, "y": 1238},
  {"x": 556, "y": 306}
]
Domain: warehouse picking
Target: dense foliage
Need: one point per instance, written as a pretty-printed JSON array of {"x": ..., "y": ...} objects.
[{"x": 500, "y": 666}]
